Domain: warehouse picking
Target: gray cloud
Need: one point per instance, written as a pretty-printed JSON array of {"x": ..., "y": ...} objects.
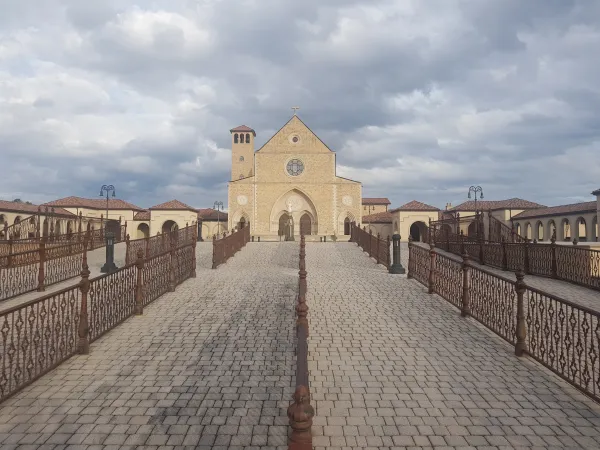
[{"x": 420, "y": 99}]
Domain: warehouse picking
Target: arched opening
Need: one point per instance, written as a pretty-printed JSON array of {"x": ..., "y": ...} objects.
[
  {"x": 17, "y": 219},
  {"x": 566, "y": 230},
  {"x": 418, "y": 232},
  {"x": 528, "y": 231},
  {"x": 247, "y": 138},
  {"x": 57, "y": 228},
  {"x": 581, "y": 229},
  {"x": 305, "y": 225},
  {"x": 473, "y": 229},
  {"x": 551, "y": 229},
  {"x": 69, "y": 227},
  {"x": 539, "y": 231},
  {"x": 241, "y": 159},
  {"x": 595, "y": 228},
  {"x": 295, "y": 203},
  {"x": 168, "y": 226},
  {"x": 395, "y": 227},
  {"x": 143, "y": 231},
  {"x": 286, "y": 226},
  {"x": 32, "y": 228},
  {"x": 2, "y": 220},
  {"x": 242, "y": 223},
  {"x": 235, "y": 138},
  {"x": 518, "y": 229},
  {"x": 446, "y": 231},
  {"x": 347, "y": 226}
]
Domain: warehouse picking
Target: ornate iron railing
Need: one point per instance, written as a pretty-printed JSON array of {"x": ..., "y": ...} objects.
[
  {"x": 563, "y": 336},
  {"x": 155, "y": 245},
  {"x": 227, "y": 246},
  {"x": 38, "y": 335},
  {"x": 374, "y": 245}
]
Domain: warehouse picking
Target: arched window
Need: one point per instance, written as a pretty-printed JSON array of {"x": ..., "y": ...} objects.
[
  {"x": 241, "y": 159},
  {"x": 247, "y": 138},
  {"x": 235, "y": 138},
  {"x": 540, "y": 231}
]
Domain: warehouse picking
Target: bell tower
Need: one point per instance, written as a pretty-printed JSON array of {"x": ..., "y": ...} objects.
[{"x": 242, "y": 152}]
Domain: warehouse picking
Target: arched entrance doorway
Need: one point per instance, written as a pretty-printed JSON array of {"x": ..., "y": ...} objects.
[
  {"x": 286, "y": 227},
  {"x": 305, "y": 225},
  {"x": 418, "y": 231},
  {"x": 242, "y": 223},
  {"x": 168, "y": 226},
  {"x": 347, "y": 226},
  {"x": 143, "y": 231}
]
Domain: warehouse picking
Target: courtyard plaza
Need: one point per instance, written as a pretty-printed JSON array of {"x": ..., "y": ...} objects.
[{"x": 212, "y": 365}]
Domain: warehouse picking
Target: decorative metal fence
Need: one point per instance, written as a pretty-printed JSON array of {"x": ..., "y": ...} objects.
[
  {"x": 374, "y": 245},
  {"x": 37, "y": 336},
  {"x": 155, "y": 245},
  {"x": 561, "y": 335},
  {"x": 300, "y": 412},
  {"x": 568, "y": 263},
  {"x": 227, "y": 246}
]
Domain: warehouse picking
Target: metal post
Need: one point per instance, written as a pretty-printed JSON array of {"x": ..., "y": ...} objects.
[{"x": 520, "y": 287}]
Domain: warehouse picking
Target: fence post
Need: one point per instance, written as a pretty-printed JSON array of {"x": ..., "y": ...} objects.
[
  {"x": 481, "y": 253},
  {"x": 139, "y": 288},
  {"x": 388, "y": 257},
  {"x": 461, "y": 241},
  {"x": 410, "y": 244},
  {"x": 377, "y": 258},
  {"x": 521, "y": 331},
  {"x": 431, "y": 269},
  {"x": 300, "y": 414},
  {"x": 504, "y": 256},
  {"x": 214, "y": 257},
  {"x": 84, "y": 328},
  {"x": 195, "y": 240},
  {"x": 465, "y": 308},
  {"x": 42, "y": 268},
  {"x": 127, "y": 249},
  {"x": 172, "y": 263},
  {"x": 526, "y": 257},
  {"x": 554, "y": 262}
]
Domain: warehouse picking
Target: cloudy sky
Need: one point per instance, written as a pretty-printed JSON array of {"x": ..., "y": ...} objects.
[{"x": 419, "y": 98}]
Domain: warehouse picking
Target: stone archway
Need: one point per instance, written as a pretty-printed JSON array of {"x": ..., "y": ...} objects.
[
  {"x": 286, "y": 226},
  {"x": 168, "y": 226},
  {"x": 143, "y": 231},
  {"x": 347, "y": 226},
  {"x": 293, "y": 203},
  {"x": 305, "y": 225},
  {"x": 418, "y": 231}
]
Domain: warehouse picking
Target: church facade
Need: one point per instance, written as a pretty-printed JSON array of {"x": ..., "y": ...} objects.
[{"x": 289, "y": 186}]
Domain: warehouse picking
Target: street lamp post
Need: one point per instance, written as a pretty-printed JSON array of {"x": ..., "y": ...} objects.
[
  {"x": 219, "y": 207},
  {"x": 109, "y": 265},
  {"x": 476, "y": 190}
]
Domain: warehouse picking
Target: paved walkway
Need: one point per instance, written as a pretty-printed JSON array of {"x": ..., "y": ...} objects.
[
  {"x": 393, "y": 367},
  {"x": 211, "y": 365},
  {"x": 577, "y": 294}
]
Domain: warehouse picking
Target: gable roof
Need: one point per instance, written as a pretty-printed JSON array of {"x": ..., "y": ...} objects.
[
  {"x": 573, "y": 208},
  {"x": 415, "y": 206},
  {"x": 380, "y": 217},
  {"x": 243, "y": 128},
  {"x": 173, "y": 205},
  {"x": 21, "y": 207},
  {"x": 142, "y": 215},
  {"x": 285, "y": 124},
  {"x": 376, "y": 201},
  {"x": 484, "y": 205},
  {"x": 209, "y": 214},
  {"x": 93, "y": 203}
]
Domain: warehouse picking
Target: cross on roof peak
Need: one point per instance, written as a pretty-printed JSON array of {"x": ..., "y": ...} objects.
[{"x": 295, "y": 108}]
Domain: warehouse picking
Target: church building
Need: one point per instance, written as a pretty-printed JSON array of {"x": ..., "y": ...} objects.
[{"x": 289, "y": 186}]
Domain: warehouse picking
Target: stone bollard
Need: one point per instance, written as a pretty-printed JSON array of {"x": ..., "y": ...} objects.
[{"x": 396, "y": 266}]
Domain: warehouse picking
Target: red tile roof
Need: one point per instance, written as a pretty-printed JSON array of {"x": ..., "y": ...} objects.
[
  {"x": 142, "y": 215},
  {"x": 243, "y": 128},
  {"x": 574, "y": 208},
  {"x": 93, "y": 203},
  {"x": 485, "y": 205},
  {"x": 380, "y": 217},
  {"x": 376, "y": 201},
  {"x": 415, "y": 206},
  {"x": 9, "y": 206},
  {"x": 209, "y": 215},
  {"x": 173, "y": 205}
]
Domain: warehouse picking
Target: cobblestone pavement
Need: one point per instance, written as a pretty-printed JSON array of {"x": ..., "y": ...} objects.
[
  {"x": 96, "y": 259},
  {"x": 393, "y": 367},
  {"x": 568, "y": 291},
  {"x": 211, "y": 365}
]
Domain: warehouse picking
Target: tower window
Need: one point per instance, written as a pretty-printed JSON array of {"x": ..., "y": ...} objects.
[
  {"x": 235, "y": 138},
  {"x": 247, "y": 138},
  {"x": 241, "y": 159}
]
